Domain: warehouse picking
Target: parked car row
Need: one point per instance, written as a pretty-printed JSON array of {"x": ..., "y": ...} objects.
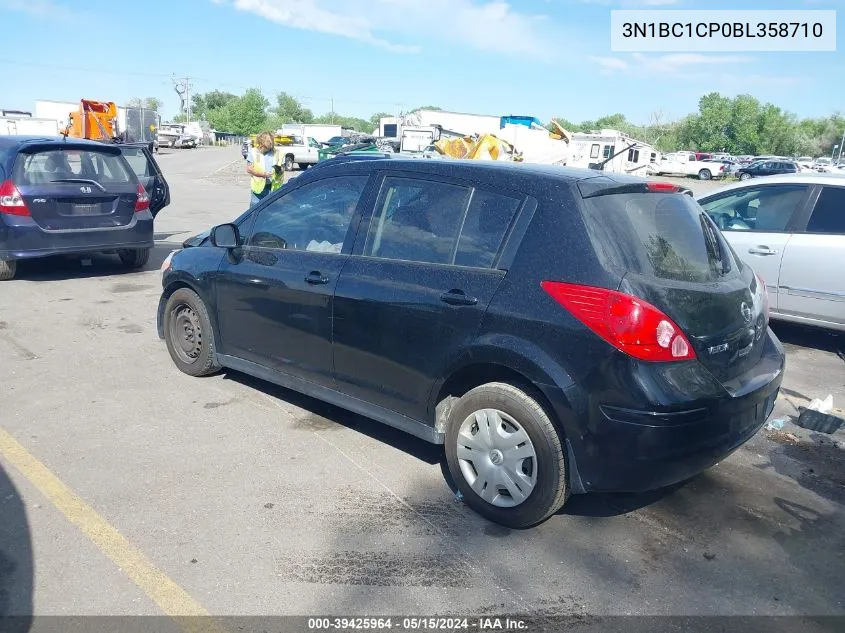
[{"x": 557, "y": 330}]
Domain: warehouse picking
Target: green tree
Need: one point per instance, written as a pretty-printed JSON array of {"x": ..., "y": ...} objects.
[
  {"x": 290, "y": 110},
  {"x": 353, "y": 123},
  {"x": 376, "y": 118},
  {"x": 243, "y": 115},
  {"x": 150, "y": 103},
  {"x": 204, "y": 103},
  {"x": 743, "y": 128}
]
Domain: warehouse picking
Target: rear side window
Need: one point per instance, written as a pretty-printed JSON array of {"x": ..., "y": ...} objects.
[
  {"x": 53, "y": 165},
  {"x": 829, "y": 213},
  {"x": 417, "y": 220},
  {"x": 138, "y": 161},
  {"x": 667, "y": 236},
  {"x": 489, "y": 217}
]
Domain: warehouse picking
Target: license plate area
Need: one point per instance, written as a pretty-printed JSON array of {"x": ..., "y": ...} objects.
[{"x": 85, "y": 209}]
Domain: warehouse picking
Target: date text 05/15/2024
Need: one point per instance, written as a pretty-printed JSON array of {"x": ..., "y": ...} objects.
[{"x": 416, "y": 624}]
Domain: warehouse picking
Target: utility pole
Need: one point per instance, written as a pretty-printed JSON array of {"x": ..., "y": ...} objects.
[
  {"x": 332, "y": 110},
  {"x": 183, "y": 89}
]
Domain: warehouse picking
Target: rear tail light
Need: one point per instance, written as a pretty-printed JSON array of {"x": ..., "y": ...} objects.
[
  {"x": 11, "y": 200},
  {"x": 142, "y": 202},
  {"x": 628, "y": 323}
]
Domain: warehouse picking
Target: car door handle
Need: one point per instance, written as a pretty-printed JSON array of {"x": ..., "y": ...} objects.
[
  {"x": 762, "y": 250},
  {"x": 315, "y": 277},
  {"x": 458, "y": 298}
]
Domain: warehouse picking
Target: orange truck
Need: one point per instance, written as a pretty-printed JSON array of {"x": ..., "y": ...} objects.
[{"x": 95, "y": 120}]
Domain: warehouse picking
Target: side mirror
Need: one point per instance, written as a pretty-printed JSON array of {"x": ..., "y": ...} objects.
[{"x": 225, "y": 236}]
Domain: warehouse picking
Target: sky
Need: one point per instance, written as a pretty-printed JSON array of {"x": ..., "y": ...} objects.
[{"x": 540, "y": 58}]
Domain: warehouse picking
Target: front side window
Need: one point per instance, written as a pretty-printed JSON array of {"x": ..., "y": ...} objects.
[
  {"x": 314, "y": 217},
  {"x": 417, "y": 220},
  {"x": 766, "y": 209}
]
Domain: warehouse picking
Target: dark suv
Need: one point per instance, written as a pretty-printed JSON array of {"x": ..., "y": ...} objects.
[
  {"x": 768, "y": 168},
  {"x": 72, "y": 197},
  {"x": 558, "y": 330}
]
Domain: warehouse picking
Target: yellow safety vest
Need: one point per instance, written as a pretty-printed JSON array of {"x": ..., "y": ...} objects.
[{"x": 257, "y": 184}]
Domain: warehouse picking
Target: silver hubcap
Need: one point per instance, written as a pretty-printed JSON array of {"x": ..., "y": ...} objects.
[{"x": 497, "y": 458}]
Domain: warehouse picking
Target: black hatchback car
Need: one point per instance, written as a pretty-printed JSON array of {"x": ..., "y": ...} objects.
[
  {"x": 73, "y": 197},
  {"x": 768, "y": 168},
  {"x": 559, "y": 330}
]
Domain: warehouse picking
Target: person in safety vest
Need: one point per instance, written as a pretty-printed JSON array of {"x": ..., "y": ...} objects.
[{"x": 260, "y": 164}]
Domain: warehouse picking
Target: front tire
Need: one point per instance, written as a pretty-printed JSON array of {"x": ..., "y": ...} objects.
[
  {"x": 8, "y": 268},
  {"x": 704, "y": 174},
  {"x": 506, "y": 456},
  {"x": 289, "y": 163},
  {"x": 134, "y": 257},
  {"x": 188, "y": 334},
  {"x": 744, "y": 176}
]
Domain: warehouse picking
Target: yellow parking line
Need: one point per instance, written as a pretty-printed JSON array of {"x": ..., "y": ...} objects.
[{"x": 170, "y": 597}]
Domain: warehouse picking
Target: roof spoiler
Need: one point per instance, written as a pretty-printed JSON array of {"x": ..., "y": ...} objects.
[{"x": 589, "y": 189}]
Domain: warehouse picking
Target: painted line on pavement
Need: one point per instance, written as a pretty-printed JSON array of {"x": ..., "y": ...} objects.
[{"x": 174, "y": 601}]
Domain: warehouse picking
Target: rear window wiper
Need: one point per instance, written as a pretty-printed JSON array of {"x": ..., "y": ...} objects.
[{"x": 86, "y": 181}]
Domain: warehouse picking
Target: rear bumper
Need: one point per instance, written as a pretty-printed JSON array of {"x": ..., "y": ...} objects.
[
  {"x": 22, "y": 238},
  {"x": 633, "y": 450}
]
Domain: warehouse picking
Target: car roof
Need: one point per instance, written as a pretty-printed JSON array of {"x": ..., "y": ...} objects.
[
  {"x": 22, "y": 141},
  {"x": 790, "y": 179},
  {"x": 488, "y": 168}
]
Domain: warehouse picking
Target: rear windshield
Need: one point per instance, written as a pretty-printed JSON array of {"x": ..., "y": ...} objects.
[
  {"x": 71, "y": 164},
  {"x": 658, "y": 234}
]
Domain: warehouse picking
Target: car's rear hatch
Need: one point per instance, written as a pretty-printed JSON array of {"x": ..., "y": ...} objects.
[
  {"x": 667, "y": 251},
  {"x": 76, "y": 187}
]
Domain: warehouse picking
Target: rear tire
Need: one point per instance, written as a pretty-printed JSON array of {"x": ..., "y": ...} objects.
[
  {"x": 8, "y": 268},
  {"x": 188, "y": 334},
  {"x": 134, "y": 257},
  {"x": 289, "y": 162},
  {"x": 704, "y": 174},
  {"x": 523, "y": 452}
]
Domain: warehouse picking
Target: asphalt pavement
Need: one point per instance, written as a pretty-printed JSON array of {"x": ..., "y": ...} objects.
[{"x": 127, "y": 487}]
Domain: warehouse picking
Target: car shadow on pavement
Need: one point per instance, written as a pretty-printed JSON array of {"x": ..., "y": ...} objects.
[
  {"x": 817, "y": 465},
  {"x": 806, "y": 336},
  {"x": 16, "y": 566},
  {"x": 96, "y": 265},
  {"x": 322, "y": 415}
]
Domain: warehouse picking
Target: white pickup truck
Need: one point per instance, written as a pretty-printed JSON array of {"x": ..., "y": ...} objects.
[
  {"x": 299, "y": 152},
  {"x": 685, "y": 164}
]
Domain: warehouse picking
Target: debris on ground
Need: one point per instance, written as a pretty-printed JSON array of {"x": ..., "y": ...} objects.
[
  {"x": 709, "y": 555},
  {"x": 817, "y": 416},
  {"x": 776, "y": 425},
  {"x": 781, "y": 437},
  {"x": 459, "y": 496}
]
